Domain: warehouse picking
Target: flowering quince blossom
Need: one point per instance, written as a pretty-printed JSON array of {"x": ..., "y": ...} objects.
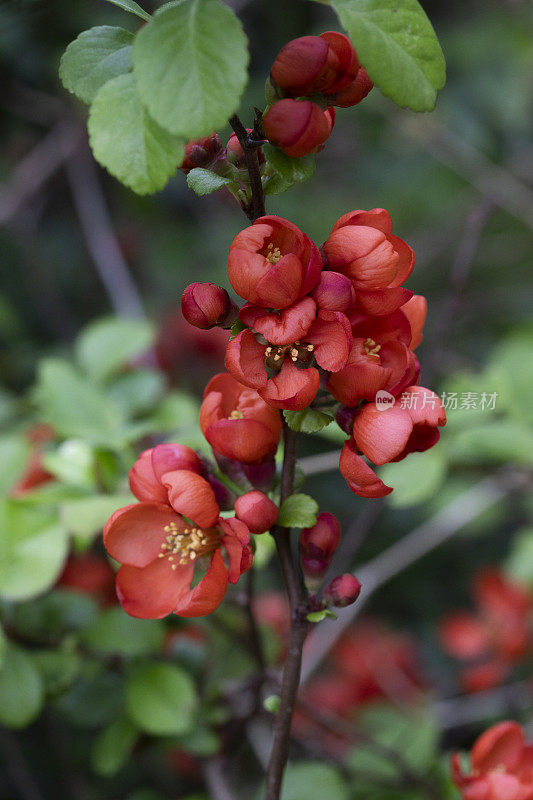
[
  {"x": 159, "y": 540},
  {"x": 236, "y": 422},
  {"x": 497, "y": 636},
  {"x": 390, "y": 435},
  {"x": 325, "y": 64},
  {"x": 272, "y": 263},
  {"x": 361, "y": 245},
  {"x": 502, "y": 766}
]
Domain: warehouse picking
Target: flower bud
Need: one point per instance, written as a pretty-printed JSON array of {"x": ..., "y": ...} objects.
[
  {"x": 298, "y": 127},
  {"x": 206, "y": 305},
  {"x": 333, "y": 292},
  {"x": 202, "y": 153},
  {"x": 261, "y": 474},
  {"x": 343, "y": 590},
  {"x": 317, "y": 546},
  {"x": 235, "y": 153},
  {"x": 257, "y": 511}
]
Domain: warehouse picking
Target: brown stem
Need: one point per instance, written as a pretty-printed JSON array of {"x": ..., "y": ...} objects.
[
  {"x": 250, "y": 148},
  {"x": 299, "y": 625}
]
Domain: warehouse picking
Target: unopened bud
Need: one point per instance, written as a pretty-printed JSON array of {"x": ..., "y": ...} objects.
[
  {"x": 298, "y": 127},
  {"x": 333, "y": 292},
  {"x": 202, "y": 152},
  {"x": 317, "y": 546},
  {"x": 257, "y": 511},
  {"x": 343, "y": 590},
  {"x": 206, "y": 305},
  {"x": 235, "y": 153}
]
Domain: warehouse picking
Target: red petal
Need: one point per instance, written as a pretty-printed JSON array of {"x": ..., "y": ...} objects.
[
  {"x": 424, "y": 406},
  {"x": 153, "y": 591},
  {"x": 361, "y": 479},
  {"x": 236, "y": 537},
  {"x": 208, "y": 594},
  {"x": 500, "y": 745},
  {"x": 244, "y": 440},
  {"x": 167, "y": 457},
  {"x": 382, "y": 301},
  {"x": 415, "y": 310},
  {"x": 245, "y": 359},
  {"x": 143, "y": 481},
  {"x": 331, "y": 336},
  {"x": 291, "y": 388},
  {"x": 375, "y": 218},
  {"x": 285, "y": 327},
  {"x": 382, "y": 435},
  {"x": 282, "y": 284},
  {"x": 463, "y": 635},
  {"x": 192, "y": 496},
  {"x": 134, "y": 535}
]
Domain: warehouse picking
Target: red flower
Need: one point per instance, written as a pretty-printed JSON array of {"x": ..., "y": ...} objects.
[
  {"x": 298, "y": 127},
  {"x": 158, "y": 546},
  {"x": 146, "y": 475},
  {"x": 392, "y": 434},
  {"x": 494, "y": 637},
  {"x": 325, "y": 64},
  {"x": 90, "y": 574},
  {"x": 380, "y": 358},
  {"x": 296, "y": 337},
  {"x": 334, "y": 292},
  {"x": 236, "y": 422},
  {"x": 272, "y": 263},
  {"x": 502, "y": 766},
  {"x": 361, "y": 478},
  {"x": 362, "y": 246}
]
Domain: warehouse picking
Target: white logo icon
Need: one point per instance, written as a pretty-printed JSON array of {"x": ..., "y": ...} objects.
[{"x": 384, "y": 400}]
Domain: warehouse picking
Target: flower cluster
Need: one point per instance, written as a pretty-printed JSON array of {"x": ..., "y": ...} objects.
[
  {"x": 333, "y": 323},
  {"x": 310, "y": 76},
  {"x": 502, "y": 766},
  {"x": 175, "y": 527},
  {"x": 498, "y": 635}
]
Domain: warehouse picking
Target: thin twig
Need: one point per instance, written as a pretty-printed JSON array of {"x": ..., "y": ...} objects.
[
  {"x": 215, "y": 778},
  {"x": 102, "y": 243},
  {"x": 299, "y": 626},
  {"x": 407, "y": 551},
  {"x": 251, "y": 157},
  {"x": 37, "y": 167},
  {"x": 490, "y": 179}
]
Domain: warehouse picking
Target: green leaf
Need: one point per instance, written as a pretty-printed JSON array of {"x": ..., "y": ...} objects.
[
  {"x": 309, "y": 420},
  {"x": 398, "y": 47},
  {"x": 3, "y": 645},
  {"x": 203, "y": 181},
  {"x": 309, "y": 780},
  {"x": 236, "y": 328},
  {"x": 113, "y": 747},
  {"x": 59, "y": 612},
  {"x": 161, "y": 699},
  {"x": 74, "y": 405},
  {"x": 519, "y": 562},
  {"x": 190, "y": 64},
  {"x": 298, "y": 511},
  {"x": 498, "y": 441},
  {"x": 86, "y": 516},
  {"x": 108, "y": 345},
  {"x": 21, "y": 689},
  {"x": 33, "y": 548},
  {"x": 95, "y": 57},
  {"x": 282, "y": 171},
  {"x": 115, "y": 632},
  {"x": 58, "y": 669},
  {"x": 94, "y": 700},
  {"x": 128, "y": 142},
  {"x": 132, "y": 7},
  {"x": 14, "y": 452},
  {"x": 138, "y": 392},
  {"x": 416, "y": 479}
]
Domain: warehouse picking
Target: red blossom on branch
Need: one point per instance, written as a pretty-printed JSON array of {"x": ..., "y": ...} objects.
[{"x": 159, "y": 540}]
